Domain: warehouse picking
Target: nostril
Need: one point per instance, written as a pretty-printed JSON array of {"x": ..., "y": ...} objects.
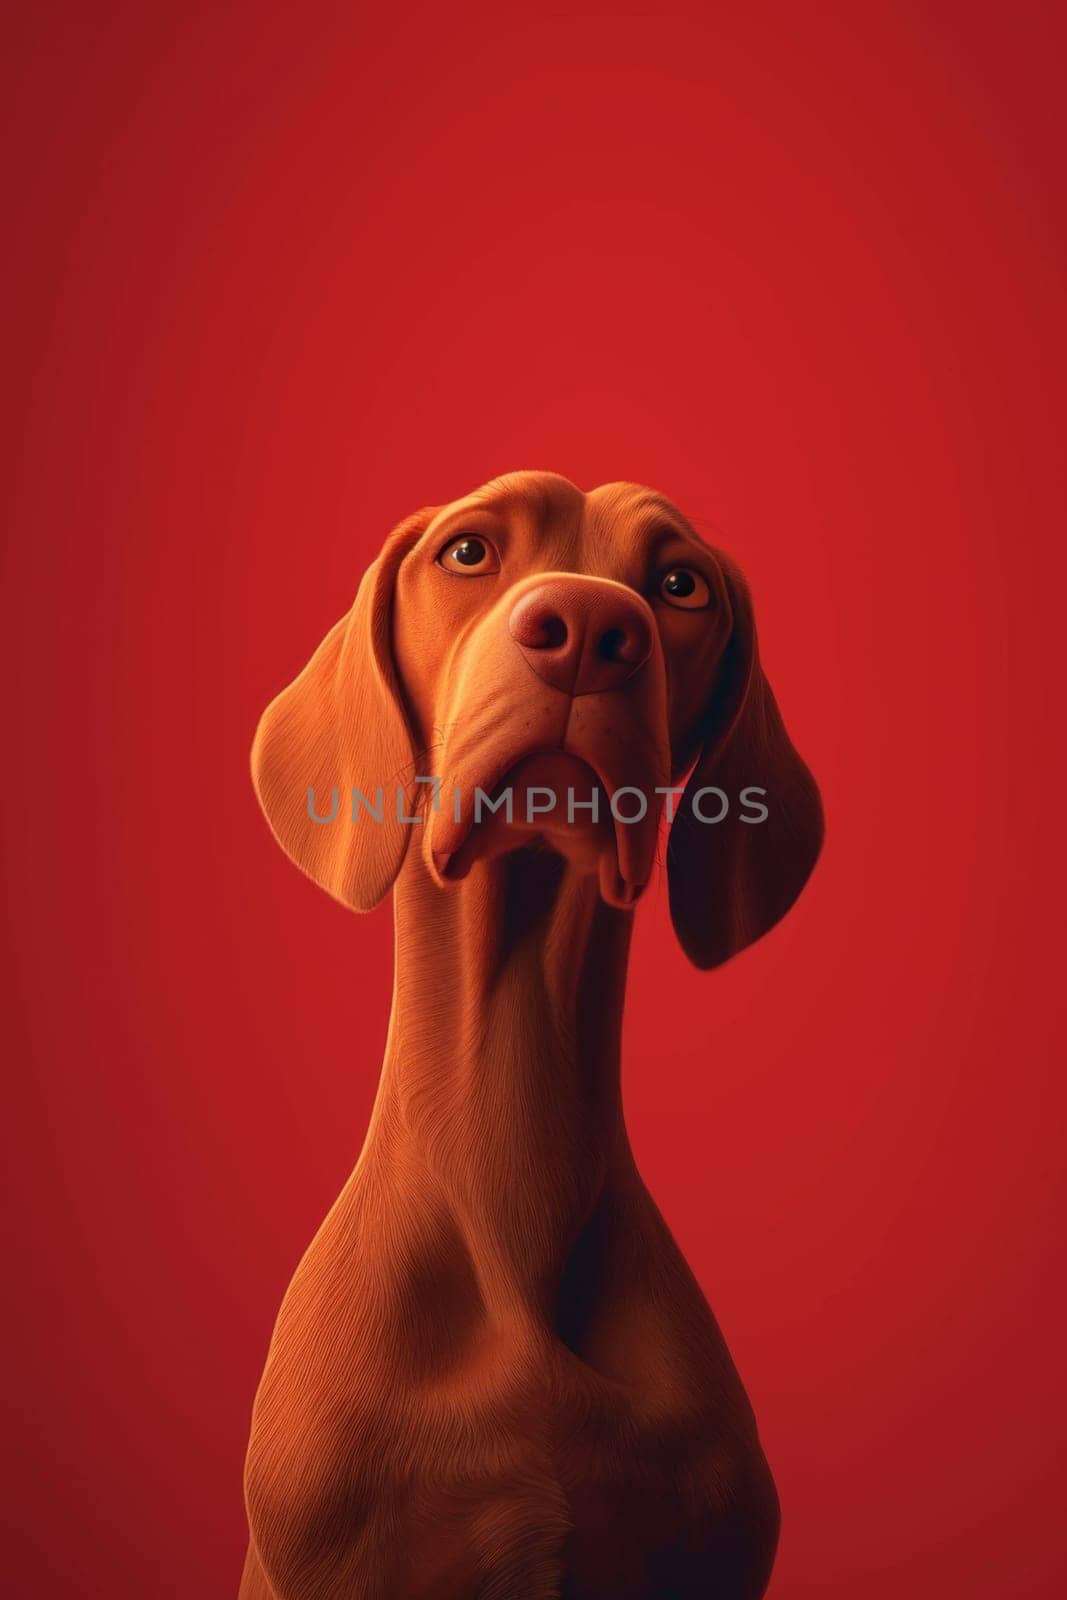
[
  {"x": 611, "y": 645},
  {"x": 630, "y": 643},
  {"x": 538, "y": 627},
  {"x": 551, "y": 632}
]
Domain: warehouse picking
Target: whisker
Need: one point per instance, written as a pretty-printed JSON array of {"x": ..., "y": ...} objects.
[{"x": 410, "y": 768}]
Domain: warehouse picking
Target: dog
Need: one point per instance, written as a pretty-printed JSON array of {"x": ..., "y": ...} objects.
[{"x": 493, "y": 1376}]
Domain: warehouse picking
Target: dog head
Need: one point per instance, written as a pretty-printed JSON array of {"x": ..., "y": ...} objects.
[{"x": 531, "y": 663}]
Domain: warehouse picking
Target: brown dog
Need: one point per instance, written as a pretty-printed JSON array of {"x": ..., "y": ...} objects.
[{"x": 493, "y": 1375}]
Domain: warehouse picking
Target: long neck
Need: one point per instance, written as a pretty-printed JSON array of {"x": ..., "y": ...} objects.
[{"x": 501, "y": 1076}]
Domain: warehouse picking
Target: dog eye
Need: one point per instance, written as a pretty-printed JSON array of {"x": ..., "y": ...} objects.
[
  {"x": 469, "y": 556},
  {"x": 684, "y": 588}
]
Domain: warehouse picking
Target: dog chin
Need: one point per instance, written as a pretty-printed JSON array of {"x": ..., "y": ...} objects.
[{"x": 589, "y": 846}]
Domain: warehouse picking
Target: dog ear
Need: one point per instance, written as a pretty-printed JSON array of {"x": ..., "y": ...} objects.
[
  {"x": 341, "y": 725},
  {"x": 731, "y": 881}
]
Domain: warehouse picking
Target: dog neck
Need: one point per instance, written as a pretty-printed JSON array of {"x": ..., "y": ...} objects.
[{"x": 500, "y": 1090}]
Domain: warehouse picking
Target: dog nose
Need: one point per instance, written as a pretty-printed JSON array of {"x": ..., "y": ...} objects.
[{"x": 582, "y": 635}]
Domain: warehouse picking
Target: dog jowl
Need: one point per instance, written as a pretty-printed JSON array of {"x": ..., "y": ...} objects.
[{"x": 493, "y": 1374}]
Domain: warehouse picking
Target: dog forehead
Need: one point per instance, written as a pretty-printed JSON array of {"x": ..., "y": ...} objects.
[
  {"x": 543, "y": 499},
  {"x": 631, "y": 511}
]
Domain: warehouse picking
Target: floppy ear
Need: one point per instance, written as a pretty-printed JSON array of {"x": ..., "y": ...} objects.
[
  {"x": 731, "y": 881},
  {"x": 341, "y": 725}
]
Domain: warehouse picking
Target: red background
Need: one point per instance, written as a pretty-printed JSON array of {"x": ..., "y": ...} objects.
[{"x": 280, "y": 275}]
